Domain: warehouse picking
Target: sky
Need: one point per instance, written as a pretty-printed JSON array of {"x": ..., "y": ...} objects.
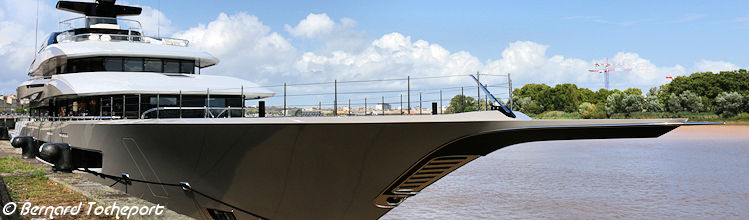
[{"x": 552, "y": 42}]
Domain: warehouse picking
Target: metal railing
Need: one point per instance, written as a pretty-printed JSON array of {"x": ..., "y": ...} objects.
[
  {"x": 207, "y": 113},
  {"x": 135, "y": 33}
]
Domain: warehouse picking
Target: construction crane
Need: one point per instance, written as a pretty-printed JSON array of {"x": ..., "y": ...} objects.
[{"x": 607, "y": 67}]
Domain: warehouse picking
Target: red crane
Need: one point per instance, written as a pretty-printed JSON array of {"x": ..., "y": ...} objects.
[{"x": 607, "y": 67}]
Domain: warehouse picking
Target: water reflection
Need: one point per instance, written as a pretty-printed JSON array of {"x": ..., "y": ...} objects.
[{"x": 692, "y": 172}]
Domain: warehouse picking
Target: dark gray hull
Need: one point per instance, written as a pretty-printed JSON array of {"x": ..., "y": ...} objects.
[{"x": 311, "y": 168}]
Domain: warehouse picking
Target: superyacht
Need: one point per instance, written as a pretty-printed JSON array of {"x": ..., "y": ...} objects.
[{"x": 110, "y": 101}]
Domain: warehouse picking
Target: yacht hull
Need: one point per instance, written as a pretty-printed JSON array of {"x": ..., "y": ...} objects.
[{"x": 324, "y": 168}]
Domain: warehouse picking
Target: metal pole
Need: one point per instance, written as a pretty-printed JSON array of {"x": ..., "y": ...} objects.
[
  {"x": 208, "y": 102},
  {"x": 401, "y": 104},
  {"x": 365, "y": 106},
  {"x": 478, "y": 90},
  {"x": 320, "y": 107},
  {"x": 101, "y": 107},
  {"x": 383, "y": 105},
  {"x": 180, "y": 103},
  {"x": 111, "y": 106},
  {"x": 335, "y": 99},
  {"x": 509, "y": 81},
  {"x": 349, "y": 106},
  {"x": 284, "y": 99},
  {"x": 462, "y": 100},
  {"x": 158, "y": 104},
  {"x": 409, "y": 95},
  {"x": 124, "y": 106},
  {"x": 440, "y": 101},
  {"x": 139, "y": 102},
  {"x": 420, "y": 103},
  {"x": 242, "y": 90}
]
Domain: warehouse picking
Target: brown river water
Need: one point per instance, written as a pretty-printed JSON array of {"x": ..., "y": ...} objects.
[{"x": 698, "y": 172}]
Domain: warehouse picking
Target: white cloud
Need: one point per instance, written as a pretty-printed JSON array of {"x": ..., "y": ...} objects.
[
  {"x": 314, "y": 25},
  {"x": 392, "y": 56},
  {"x": 319, "y": 28},
  {"x": 714, "y": 66},
  {"x": 245, "y": 46}
]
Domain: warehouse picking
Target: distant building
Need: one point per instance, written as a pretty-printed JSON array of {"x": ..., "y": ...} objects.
[{"x": 380, "y": 106}]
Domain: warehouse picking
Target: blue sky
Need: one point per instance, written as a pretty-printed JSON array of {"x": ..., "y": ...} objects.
[
  {"x": 667, "y": 32},
  {"x": 271, "y": 42}
]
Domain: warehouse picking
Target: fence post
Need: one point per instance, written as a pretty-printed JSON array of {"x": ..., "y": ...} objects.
[
  {"x": 383, "y": 105},
  {"x": 420, "y": 107},
  {"x": 409, "y": 95},
  {"x": 242, "y": 102},
  {"x": 509, "y": 81},
  {"x": 478, "y": 90},
  {"x": 180, "y": 103},
  {"x": 208, "y": 102},
  {"x": 335, "y": 98}
]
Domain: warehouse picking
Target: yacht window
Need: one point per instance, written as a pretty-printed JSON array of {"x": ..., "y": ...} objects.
[
  {"x": 113, "y": 64},
  {"x": 163, "y": 101},
  {"x": 153, "y": 65},
  {"x": 133, "y": 65},
  {"x": 171, "y": 66},
  {"x": 187, "y": 67}
]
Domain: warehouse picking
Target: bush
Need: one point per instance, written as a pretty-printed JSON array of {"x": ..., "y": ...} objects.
[
  {"x": 728, "y": 104},
  {"x": 558, "y": 115},
  {"x": 674, "y": 103},
  {"x": 590, "y": 111},
  {"x": 632, "y": 103},
  {"x": 691, "y": 101}
]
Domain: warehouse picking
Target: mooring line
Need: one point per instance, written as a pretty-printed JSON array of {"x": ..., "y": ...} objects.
[{"x": 184, "y": 185}]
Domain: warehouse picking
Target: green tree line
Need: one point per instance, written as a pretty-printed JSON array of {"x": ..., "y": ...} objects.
[{"x": 725, "y": 93}]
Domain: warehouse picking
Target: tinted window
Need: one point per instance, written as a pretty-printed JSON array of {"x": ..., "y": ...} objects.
[
  {"x": 153, "y": 65},
  {"x": 113, "y": 64},
  {"x": 133, "y": 65},
  {"x": 187, "y": 67},
  {"x": 171, "y": 66}
]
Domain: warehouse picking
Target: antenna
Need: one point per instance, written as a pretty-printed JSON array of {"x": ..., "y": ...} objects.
[
  {"x": 158, "y": 20},
  {"x": 36, "y": 29}
]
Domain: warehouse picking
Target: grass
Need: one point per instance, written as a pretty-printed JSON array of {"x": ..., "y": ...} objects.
[
  {"x": 15, "y": 165},
  {"x": 28, "y": 183}
]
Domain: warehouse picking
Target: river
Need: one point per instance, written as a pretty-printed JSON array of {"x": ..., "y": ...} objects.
[{"x": 698, "y": 172}]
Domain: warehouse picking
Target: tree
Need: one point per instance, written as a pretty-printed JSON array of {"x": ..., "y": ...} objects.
[
  {"x": 652, "y": 103},
  {"x": 728, "y": 104},
  {"x": 633, "y": 91},
  {"x": 674, "y": 103},
  {"x": 461, "y": 103},
  {"x": 614, "y": 103},
  {"x": 632, "y": 103},
  {"x": 691, "y": 101},
  {"x": 527, "y": 105}
]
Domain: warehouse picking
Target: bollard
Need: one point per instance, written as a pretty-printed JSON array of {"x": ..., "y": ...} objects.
[
  {"x": 4, "y": 133},
  {"x": 261, "y": 109},
  {"x": 434, "y": 108},
  {"x": 60, "y": 155},
  {"x": 27, "y": 145}
]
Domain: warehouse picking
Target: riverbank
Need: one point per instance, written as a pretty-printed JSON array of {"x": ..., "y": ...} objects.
[
  {"x": 740, "y": 119},
  {"x": 28, "y": 180}
]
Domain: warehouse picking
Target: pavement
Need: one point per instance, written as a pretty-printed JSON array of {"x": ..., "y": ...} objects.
[{"x": 96, "y": 192}]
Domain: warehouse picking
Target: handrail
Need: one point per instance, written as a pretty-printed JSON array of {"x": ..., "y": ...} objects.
[
  {"x": 206, "y": 110},
  {"x": 85, "y": 18}
]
